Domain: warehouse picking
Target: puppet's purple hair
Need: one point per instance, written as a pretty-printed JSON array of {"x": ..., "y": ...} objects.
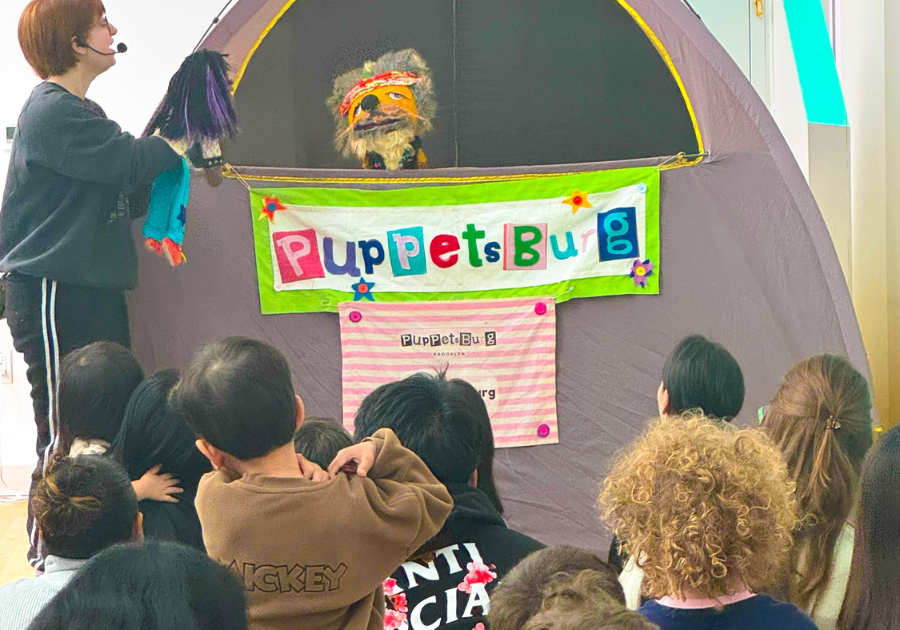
[{"x": 198, "y": 104}]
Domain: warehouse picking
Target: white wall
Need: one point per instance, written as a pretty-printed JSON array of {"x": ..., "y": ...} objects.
[
  {"x": 892, "y": 109},
  {"x": 159, "y": 35},
  {"x": 17, "y": 430},
  {"x": 786, "y": 98},
  {"x": 863, "y": 53}
]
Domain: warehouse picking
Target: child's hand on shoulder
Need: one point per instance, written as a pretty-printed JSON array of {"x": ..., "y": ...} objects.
[
  {"x": 157, "y": 487},
  {"x": 354, "y": 459},
  {"x": 312, "y": 470}
]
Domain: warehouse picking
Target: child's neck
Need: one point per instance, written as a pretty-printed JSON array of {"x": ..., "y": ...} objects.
[
  {"x": 282, "y": 462},
  {"x": 734, "y": 587}
]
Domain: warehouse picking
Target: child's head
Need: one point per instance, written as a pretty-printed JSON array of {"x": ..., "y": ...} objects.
[
  {"x": 237, "y": 396},
  {"x": 701, "y": 374},
  {"x": 821, "y": 419},
  {"x": 702, "y": 506},
  {"x": 153, "y": 586},
  {"x": 518, "y": 597},
  {"x": 872, "y": 601},
  {"x": 320, "y": 439},
  {"x": 152, "y": 433},
  {"x": 83, "y": 505},
  {"x": 95, "y": 383},
  {"x": 435, "y": 418},
  {"x": 581, "y": 602}
]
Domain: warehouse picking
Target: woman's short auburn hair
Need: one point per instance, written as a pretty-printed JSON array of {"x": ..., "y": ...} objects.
[
  {"x": 701, "y": 506},
  {"x": 46, "y": 30}
]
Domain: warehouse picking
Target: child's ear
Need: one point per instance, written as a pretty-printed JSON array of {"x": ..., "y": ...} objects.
[
  {"x": 662, "y": 399},
  {"x": 214, "y": 455},
  {"x": 301, "y": 410}
]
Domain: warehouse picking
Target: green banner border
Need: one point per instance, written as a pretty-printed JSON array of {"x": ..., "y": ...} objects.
[{"x": 539, "y": 187}]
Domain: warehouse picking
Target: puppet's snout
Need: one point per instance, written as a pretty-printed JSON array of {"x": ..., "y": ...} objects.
[{"x": 370, "y": 103}]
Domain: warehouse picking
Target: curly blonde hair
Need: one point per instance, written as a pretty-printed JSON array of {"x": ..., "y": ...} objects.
[{"x": 701, "y": 506}]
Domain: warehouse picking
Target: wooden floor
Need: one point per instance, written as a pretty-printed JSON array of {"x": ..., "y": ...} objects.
[{"x": 13, "y": 543}]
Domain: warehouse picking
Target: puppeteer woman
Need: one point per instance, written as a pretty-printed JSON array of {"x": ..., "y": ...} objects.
[{"x": 65, "y": 225}]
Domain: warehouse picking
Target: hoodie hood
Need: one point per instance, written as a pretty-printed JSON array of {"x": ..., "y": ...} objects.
[{"x": 472, "y": 509}]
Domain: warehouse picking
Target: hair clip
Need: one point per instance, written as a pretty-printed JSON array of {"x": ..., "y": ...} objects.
[{"x": 833, "y": 423}]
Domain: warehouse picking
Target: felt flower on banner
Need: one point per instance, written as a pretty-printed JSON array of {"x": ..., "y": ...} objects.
[
  {"x": 270, "y": 206},
  {"x": 394, "y": 620},
  {"x": 640, "y": 271},
  {"x": 577, "y": 200},
  {"x": 363, "y": 290},
  {"x": 478, "y": 574}
]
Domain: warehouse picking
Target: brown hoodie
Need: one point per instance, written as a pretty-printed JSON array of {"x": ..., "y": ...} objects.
[{"x": 313, "y": 556}]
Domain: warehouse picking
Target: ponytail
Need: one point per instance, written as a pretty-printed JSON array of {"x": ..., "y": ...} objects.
[
  {"x": 821, "y": 419},
  {"x": 83, "y": 505},
  {"x": 827, "y": 498},
  {"x": 55, "y": 510}
]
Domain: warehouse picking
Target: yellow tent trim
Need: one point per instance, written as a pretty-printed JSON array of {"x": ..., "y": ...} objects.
[
  {"x": 671, "y": 65},
  {"x": 256, "y": 45},
  {"x": 234, "y": 174}
]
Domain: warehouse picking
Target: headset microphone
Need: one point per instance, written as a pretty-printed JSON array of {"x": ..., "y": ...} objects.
[{"x": 121, "y": 48}]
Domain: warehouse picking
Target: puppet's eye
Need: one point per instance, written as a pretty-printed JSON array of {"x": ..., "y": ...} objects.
[
  {"x": 396, "y": 96},
  {"x": 357, "y": 111}
]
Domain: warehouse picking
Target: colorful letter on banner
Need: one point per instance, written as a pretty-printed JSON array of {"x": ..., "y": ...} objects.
[
  {"x": 505, "y": 348},
  {"x": 573, "y": 236}
]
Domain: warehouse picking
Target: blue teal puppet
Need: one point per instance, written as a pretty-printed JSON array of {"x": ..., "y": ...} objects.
[{"x": 195, "y": 115}]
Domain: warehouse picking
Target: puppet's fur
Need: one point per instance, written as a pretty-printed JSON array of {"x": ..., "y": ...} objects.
[
  {"x": 390, "y": 141},
  {"x": 391, "y": 146}
]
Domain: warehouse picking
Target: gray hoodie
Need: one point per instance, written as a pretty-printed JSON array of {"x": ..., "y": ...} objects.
[{"x": 66, "y": 213}]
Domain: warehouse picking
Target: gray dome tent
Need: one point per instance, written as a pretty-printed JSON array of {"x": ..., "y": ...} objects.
[{"x": 529, "y": 86}]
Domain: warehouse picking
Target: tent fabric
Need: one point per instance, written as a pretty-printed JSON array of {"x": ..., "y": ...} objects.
[
  {"x": 518, "y": 82},
  {"x": 746, "y": 260}
]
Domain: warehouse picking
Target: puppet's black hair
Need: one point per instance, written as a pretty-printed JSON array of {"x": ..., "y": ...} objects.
[{"x": 198, "y": 104}]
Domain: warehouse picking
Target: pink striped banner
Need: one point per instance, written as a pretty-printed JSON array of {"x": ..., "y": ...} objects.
[{"x": 505, "y": 348}]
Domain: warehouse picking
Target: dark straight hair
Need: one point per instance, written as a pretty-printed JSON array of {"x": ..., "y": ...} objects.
[
  {"x": 486, "y": 466},
  {"x": 320, "y": 439},
  {"x": 95, "y": 384},
  {"x": 153, "y": 433},
  {"x": 152, "y": 586},
  {"x": 701, "y": 374},
  {"x": 237, "y": 394},
  {"x": 436, "y": 418},
  {"x": 872, "y": 601}
]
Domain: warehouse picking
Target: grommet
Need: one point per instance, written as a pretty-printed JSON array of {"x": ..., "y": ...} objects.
[
  {"x": 642, "y": 187},
  {"x": 540, "y": 308},
  {"x": 355, "y": 317},
  {"x": 543, "y": 430}
]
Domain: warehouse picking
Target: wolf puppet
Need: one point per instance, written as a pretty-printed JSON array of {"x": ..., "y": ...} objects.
[{"x": 382, "y": 109}]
